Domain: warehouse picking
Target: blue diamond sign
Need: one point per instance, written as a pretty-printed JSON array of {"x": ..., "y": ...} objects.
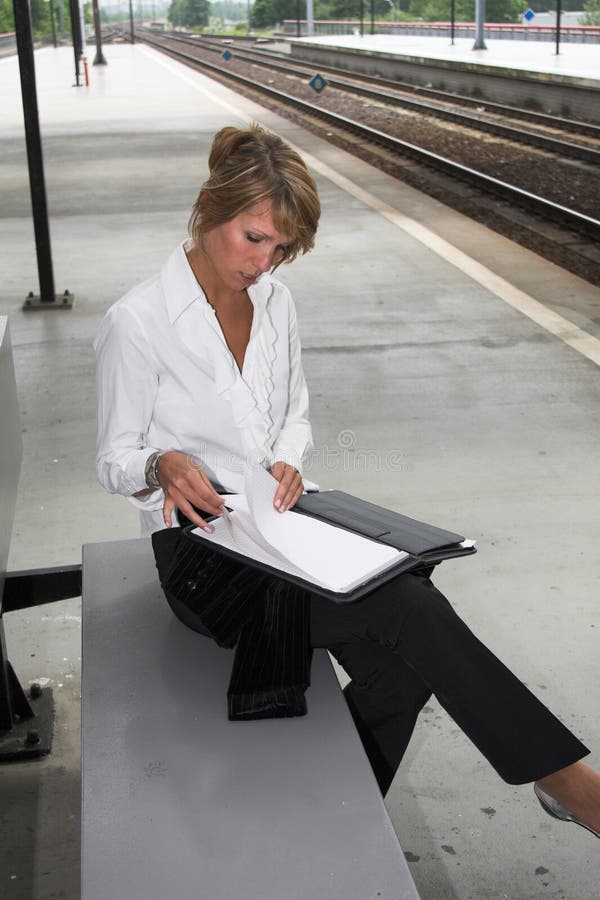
[
  {"x": 318, "y": 83},
  {"x": 529, "y": 15},
  {"x": 226, "y": 55}
]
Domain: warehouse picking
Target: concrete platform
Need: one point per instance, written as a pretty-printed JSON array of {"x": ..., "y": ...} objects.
[
  {"x": 452, "y": 376},
  {"x": 576, "y": 61}
]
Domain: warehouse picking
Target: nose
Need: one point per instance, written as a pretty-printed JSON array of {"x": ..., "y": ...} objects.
[{"x": 264, "y": 259}]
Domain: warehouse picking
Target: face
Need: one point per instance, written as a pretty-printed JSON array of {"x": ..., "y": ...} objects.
[{"x": 243, "y": 248}]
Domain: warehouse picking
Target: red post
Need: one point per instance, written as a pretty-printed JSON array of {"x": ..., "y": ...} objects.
[{"x": 86, "y": 72}]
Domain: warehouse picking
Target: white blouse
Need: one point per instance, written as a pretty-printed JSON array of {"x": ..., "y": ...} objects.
[{"x": 166, "y": 380}]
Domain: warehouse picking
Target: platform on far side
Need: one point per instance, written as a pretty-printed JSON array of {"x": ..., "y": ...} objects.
[
  {"x": 526, "y": 74},
  {"x": 577, "y": 62}
]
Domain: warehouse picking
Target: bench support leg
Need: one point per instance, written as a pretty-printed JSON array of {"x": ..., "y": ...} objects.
[{"x": 25, "y": 721}]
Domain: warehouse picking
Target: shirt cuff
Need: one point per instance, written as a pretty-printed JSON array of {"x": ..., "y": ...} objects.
[
  {"x": 153, "y": 501},
  {"x": 134, "y": 471}
]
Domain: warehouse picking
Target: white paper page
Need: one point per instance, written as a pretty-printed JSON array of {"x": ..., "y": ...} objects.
[
  {"x": 228, "y": 533},
  {"x": 338, "y": 559},
  {"x": 231, "y": 535},
  {"x": 235, "y": 501},
  {"x": 248, "y": 537},
  {"x": 242, "y": 525}
]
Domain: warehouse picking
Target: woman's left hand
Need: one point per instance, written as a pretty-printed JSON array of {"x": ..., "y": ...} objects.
[{"x": 290, "y": 485}]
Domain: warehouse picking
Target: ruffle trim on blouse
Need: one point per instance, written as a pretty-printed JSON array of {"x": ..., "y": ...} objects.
[{"x": 250, "y": 402}]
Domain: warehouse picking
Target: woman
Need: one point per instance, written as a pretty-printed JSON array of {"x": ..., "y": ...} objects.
[{"x": 199, "y": 370}]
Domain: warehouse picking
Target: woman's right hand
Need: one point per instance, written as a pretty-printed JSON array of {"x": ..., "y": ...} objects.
[{"x": 185, "y": 486}]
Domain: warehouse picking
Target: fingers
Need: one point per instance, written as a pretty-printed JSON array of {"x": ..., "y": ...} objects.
[
  {"x": 186, "y": 486},
  {"x": 290, "y": 486},
  {"x": 182, "y": 479},
  {"x": 188, "y": 510},
  {"x": 210, "y": 500},
  {"x": 168, "y": 507}
]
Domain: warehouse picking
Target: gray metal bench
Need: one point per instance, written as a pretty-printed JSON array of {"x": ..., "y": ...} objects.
[{"x": 180, "y": 802}]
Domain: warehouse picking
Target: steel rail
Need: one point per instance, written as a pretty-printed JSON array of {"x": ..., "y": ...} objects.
[
  {"x": 553, "y": 211},
  {"x": 470, "y": 120},
  {"x": 583, "y": 129},
  {"x": 542, "y": 142}
]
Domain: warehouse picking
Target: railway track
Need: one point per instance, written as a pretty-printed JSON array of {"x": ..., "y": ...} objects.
[
  {"x": 395, "y": 94},
  {"x": 532, "y": 117},
  {"x": 559, "y": 214}
]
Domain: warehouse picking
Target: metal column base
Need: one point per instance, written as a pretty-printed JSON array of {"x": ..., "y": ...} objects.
[
  {"x": 61, "y": 301},
  {"x": 31, "y": 734}
]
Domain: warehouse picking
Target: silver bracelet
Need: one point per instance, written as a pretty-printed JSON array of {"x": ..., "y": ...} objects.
[{"x": 151, "y": 469}]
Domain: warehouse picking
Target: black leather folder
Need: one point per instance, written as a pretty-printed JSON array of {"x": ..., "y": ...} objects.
[{"x": 426, "y": 545}]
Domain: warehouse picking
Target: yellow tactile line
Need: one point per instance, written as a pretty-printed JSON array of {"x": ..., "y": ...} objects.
[{"x": 566, "y": 331}]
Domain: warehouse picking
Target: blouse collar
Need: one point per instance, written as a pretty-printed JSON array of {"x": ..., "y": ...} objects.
[
  {"x": 181, "y": 288},
  {"x": 179, "y": 284}
]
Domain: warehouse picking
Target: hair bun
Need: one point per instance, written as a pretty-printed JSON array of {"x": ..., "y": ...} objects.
[
  {"x": 252, "y": 165},
  {"x": 228, "y": 142}
]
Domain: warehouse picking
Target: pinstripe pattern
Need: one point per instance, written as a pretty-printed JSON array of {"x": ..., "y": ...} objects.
[
  {"x": 271, "y": 669},
  {"x": 266, "y": 618}
]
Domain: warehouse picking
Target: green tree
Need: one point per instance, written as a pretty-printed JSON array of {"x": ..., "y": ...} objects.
[
  {"x": 189, "y": 13},
  {"x": 195, "y": 12},
  {"x": 501, "y": 10},
  {"x": 287, "y": 9},
  {"x": 266, "y": 13},
  {"x": 346, "y": 9},
  {"x": 350, "y": 9},
  {"x": 7, "y": 22},
  {"x": 592, "y": 13},
  {"x": 262, "y": 14},
  {"x": 174, "y": 14},
  {"x": 439, "y": 10},
  {"x": 228, "y": 10},
  {"x": 40, "y": 17}
]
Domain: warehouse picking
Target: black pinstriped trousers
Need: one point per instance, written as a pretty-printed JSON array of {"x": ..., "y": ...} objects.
[{"x": 403, "y": 643}]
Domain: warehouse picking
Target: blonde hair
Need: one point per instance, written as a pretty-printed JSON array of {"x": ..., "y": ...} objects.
[{"x": 251, "y": 165}]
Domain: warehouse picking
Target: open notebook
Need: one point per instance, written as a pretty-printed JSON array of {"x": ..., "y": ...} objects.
[{"x": 313, "y": 551}]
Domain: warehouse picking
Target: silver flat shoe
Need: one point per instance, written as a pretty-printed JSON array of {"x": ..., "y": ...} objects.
[{"x": 558, "y": 811}]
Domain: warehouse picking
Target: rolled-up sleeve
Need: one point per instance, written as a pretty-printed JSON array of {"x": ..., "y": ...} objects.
[
  {"x": 126, "y": 383},
  {"x": 294, "y": 441}
]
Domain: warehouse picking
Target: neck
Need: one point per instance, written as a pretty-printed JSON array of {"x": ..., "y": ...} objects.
[{"x": 216, "y": 295}]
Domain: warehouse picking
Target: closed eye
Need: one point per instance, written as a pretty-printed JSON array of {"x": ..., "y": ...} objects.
[{"x": 253, "y": 239}]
